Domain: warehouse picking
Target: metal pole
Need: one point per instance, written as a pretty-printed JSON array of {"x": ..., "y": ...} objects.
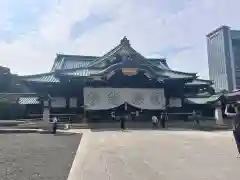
[{"x": 84, "y": 114}]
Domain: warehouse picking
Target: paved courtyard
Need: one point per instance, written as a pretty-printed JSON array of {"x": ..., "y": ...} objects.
[
  {"x": 37, "y": 156},
  {"x": 155, "y": 155}
]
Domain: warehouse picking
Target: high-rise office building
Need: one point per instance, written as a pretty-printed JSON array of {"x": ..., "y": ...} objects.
[{"x": 223, "y": 46}]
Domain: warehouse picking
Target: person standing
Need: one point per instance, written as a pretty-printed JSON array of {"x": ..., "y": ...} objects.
[
  {"x": 154, "y": 122},
  {"x": 54, "y": 127},
  {"x": 195, "y": 118},
  {"x": 162, "y": 120},
  {"x": 113, "y": 115},
  {"x": 122, "y": 122},
  {"x": 235, "y": 114}
]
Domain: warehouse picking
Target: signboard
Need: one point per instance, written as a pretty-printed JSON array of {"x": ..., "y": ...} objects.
[{"x": 129, "y": 71}]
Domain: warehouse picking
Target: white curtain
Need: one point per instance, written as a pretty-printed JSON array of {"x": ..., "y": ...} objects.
[
  {"x": 46, "y": 114},
  {"x": 107, "y": 98},
  {"x": 58, "y": 102},
  {"x": 73, "y": 102},
  {"x": 145, "y": 98},
  {"x": 175, "y": 102}
]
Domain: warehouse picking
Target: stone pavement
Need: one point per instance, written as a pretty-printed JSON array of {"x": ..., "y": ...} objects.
[
  {"x": 154, "y": 155},
  {"x": 35, "y": 156}
]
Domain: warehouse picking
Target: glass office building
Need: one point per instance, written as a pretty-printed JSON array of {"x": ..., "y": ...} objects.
[{"x": 223, "y": 46}]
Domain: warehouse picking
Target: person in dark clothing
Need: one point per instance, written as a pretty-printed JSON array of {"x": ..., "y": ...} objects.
[
  {"x": 113, "y": 115},
  {"x": 195, "y": 118},
  {"x": 122, "y": 122},
  {"x": 163, "y": 119},
  {"x": 133, "y": 116},
  {"x": 235, "y": 114}
]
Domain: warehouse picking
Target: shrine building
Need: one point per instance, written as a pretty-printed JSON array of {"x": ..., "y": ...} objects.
[{"x": 122, "y": 80}]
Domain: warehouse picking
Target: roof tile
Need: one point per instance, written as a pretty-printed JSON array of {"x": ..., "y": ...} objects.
[
  {"x": 43, "y": 78},
  {"x": 203, "y": 100},
  {"x": 28, "y": 100}
]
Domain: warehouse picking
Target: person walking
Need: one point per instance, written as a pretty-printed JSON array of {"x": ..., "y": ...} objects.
[{"x": 235, "y": 114}]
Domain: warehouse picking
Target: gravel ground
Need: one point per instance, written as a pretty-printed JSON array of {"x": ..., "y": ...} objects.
[{"x": 37, "y": 156}]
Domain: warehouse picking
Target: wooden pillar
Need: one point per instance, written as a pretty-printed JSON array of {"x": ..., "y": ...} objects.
[
  {"x": 218, "y": 115},
  {"x": 67, "y": 102},
  {"x": 46, "y": 110}
]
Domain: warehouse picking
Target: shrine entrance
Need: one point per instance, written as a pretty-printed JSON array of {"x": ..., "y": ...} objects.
[{"x": 101, "y": 102}]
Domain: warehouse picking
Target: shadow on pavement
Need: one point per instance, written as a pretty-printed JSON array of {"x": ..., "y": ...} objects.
[
  {"x": 148, "y": 126},
  {"x": 35, "y": 131}
]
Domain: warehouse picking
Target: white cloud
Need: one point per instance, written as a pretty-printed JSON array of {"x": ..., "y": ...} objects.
[{"x": 151, "y": 28}]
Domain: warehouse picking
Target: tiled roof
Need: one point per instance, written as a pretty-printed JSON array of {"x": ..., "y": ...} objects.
[
  {"x": 13, "y": 97},
  {"x": 71, "y": 61},
  {"x": 65, "y": 62},
  {"x": 28, "y": 100},
  {"x": 233, "y": 93},
  {"x": 160, "y": 63},
  {"x": 80, "y": 72},
  {"x": 203, "y": 100},
  {"x": 107, "y": 55},
  {"x": 200, "y": 82},
  {"x": 176, "y": 74},
  {"x": 72, "y": 64},
  {"x": 76, "y": 65},
  {"x": 42, "y": 78}
]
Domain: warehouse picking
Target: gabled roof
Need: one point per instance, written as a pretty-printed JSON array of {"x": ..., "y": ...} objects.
[
  {"x": 82, "y": 66},
  {"x": 63, "y": 61}
]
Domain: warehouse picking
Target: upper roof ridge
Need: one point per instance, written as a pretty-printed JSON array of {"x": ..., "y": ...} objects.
[{"x": 125, "y": 41}]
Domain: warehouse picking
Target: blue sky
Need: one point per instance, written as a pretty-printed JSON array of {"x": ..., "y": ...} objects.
[{"x": 33, "y": 31}]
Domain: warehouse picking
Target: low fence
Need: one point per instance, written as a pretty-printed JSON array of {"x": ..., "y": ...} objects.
[{"x": 78, "y": 118}]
